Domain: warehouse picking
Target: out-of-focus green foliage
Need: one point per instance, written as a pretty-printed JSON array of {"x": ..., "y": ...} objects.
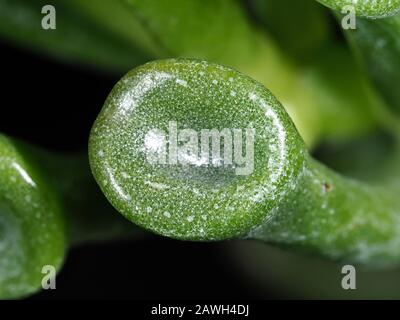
[
  {"x": 77, "y": 38},
  {"x": 288, "y": 27},
  {"x": 377, "y": 43}
]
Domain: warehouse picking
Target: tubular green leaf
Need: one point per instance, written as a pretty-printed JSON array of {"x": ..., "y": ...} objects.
[
  {"x": 43, "y": 210},
  {"x": 32, "y": 231},
  {"x": 288, "y": 199},
  {"x": 374, "y": 159}
]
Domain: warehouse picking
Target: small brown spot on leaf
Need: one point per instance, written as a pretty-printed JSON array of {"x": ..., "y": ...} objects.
[{"x": 327, "y": 187}]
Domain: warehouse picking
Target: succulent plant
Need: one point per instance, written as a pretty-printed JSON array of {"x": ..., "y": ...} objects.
[{"x": 202, "y": 72}]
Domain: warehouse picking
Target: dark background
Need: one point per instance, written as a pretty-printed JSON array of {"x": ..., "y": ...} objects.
[{"x": 53, "y": 105}]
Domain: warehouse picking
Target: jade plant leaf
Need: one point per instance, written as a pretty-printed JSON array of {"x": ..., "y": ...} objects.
[
  {"x": 191, "y": 203},
  {"x": 43, "y": 211},
  {"x": 146, "y": 156},
  {"x": 32, "y": 230}
]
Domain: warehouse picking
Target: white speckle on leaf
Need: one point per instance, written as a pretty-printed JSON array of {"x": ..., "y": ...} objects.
[
  {"x": 167, "y": 214},
  {"x": 181, "y": 82},
  {"x": 125, "y": 175}
]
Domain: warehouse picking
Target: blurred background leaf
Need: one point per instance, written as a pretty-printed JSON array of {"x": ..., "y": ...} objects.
[
  {"x": 79, "y": 38},
  {"x": 377, "y": 44}
]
